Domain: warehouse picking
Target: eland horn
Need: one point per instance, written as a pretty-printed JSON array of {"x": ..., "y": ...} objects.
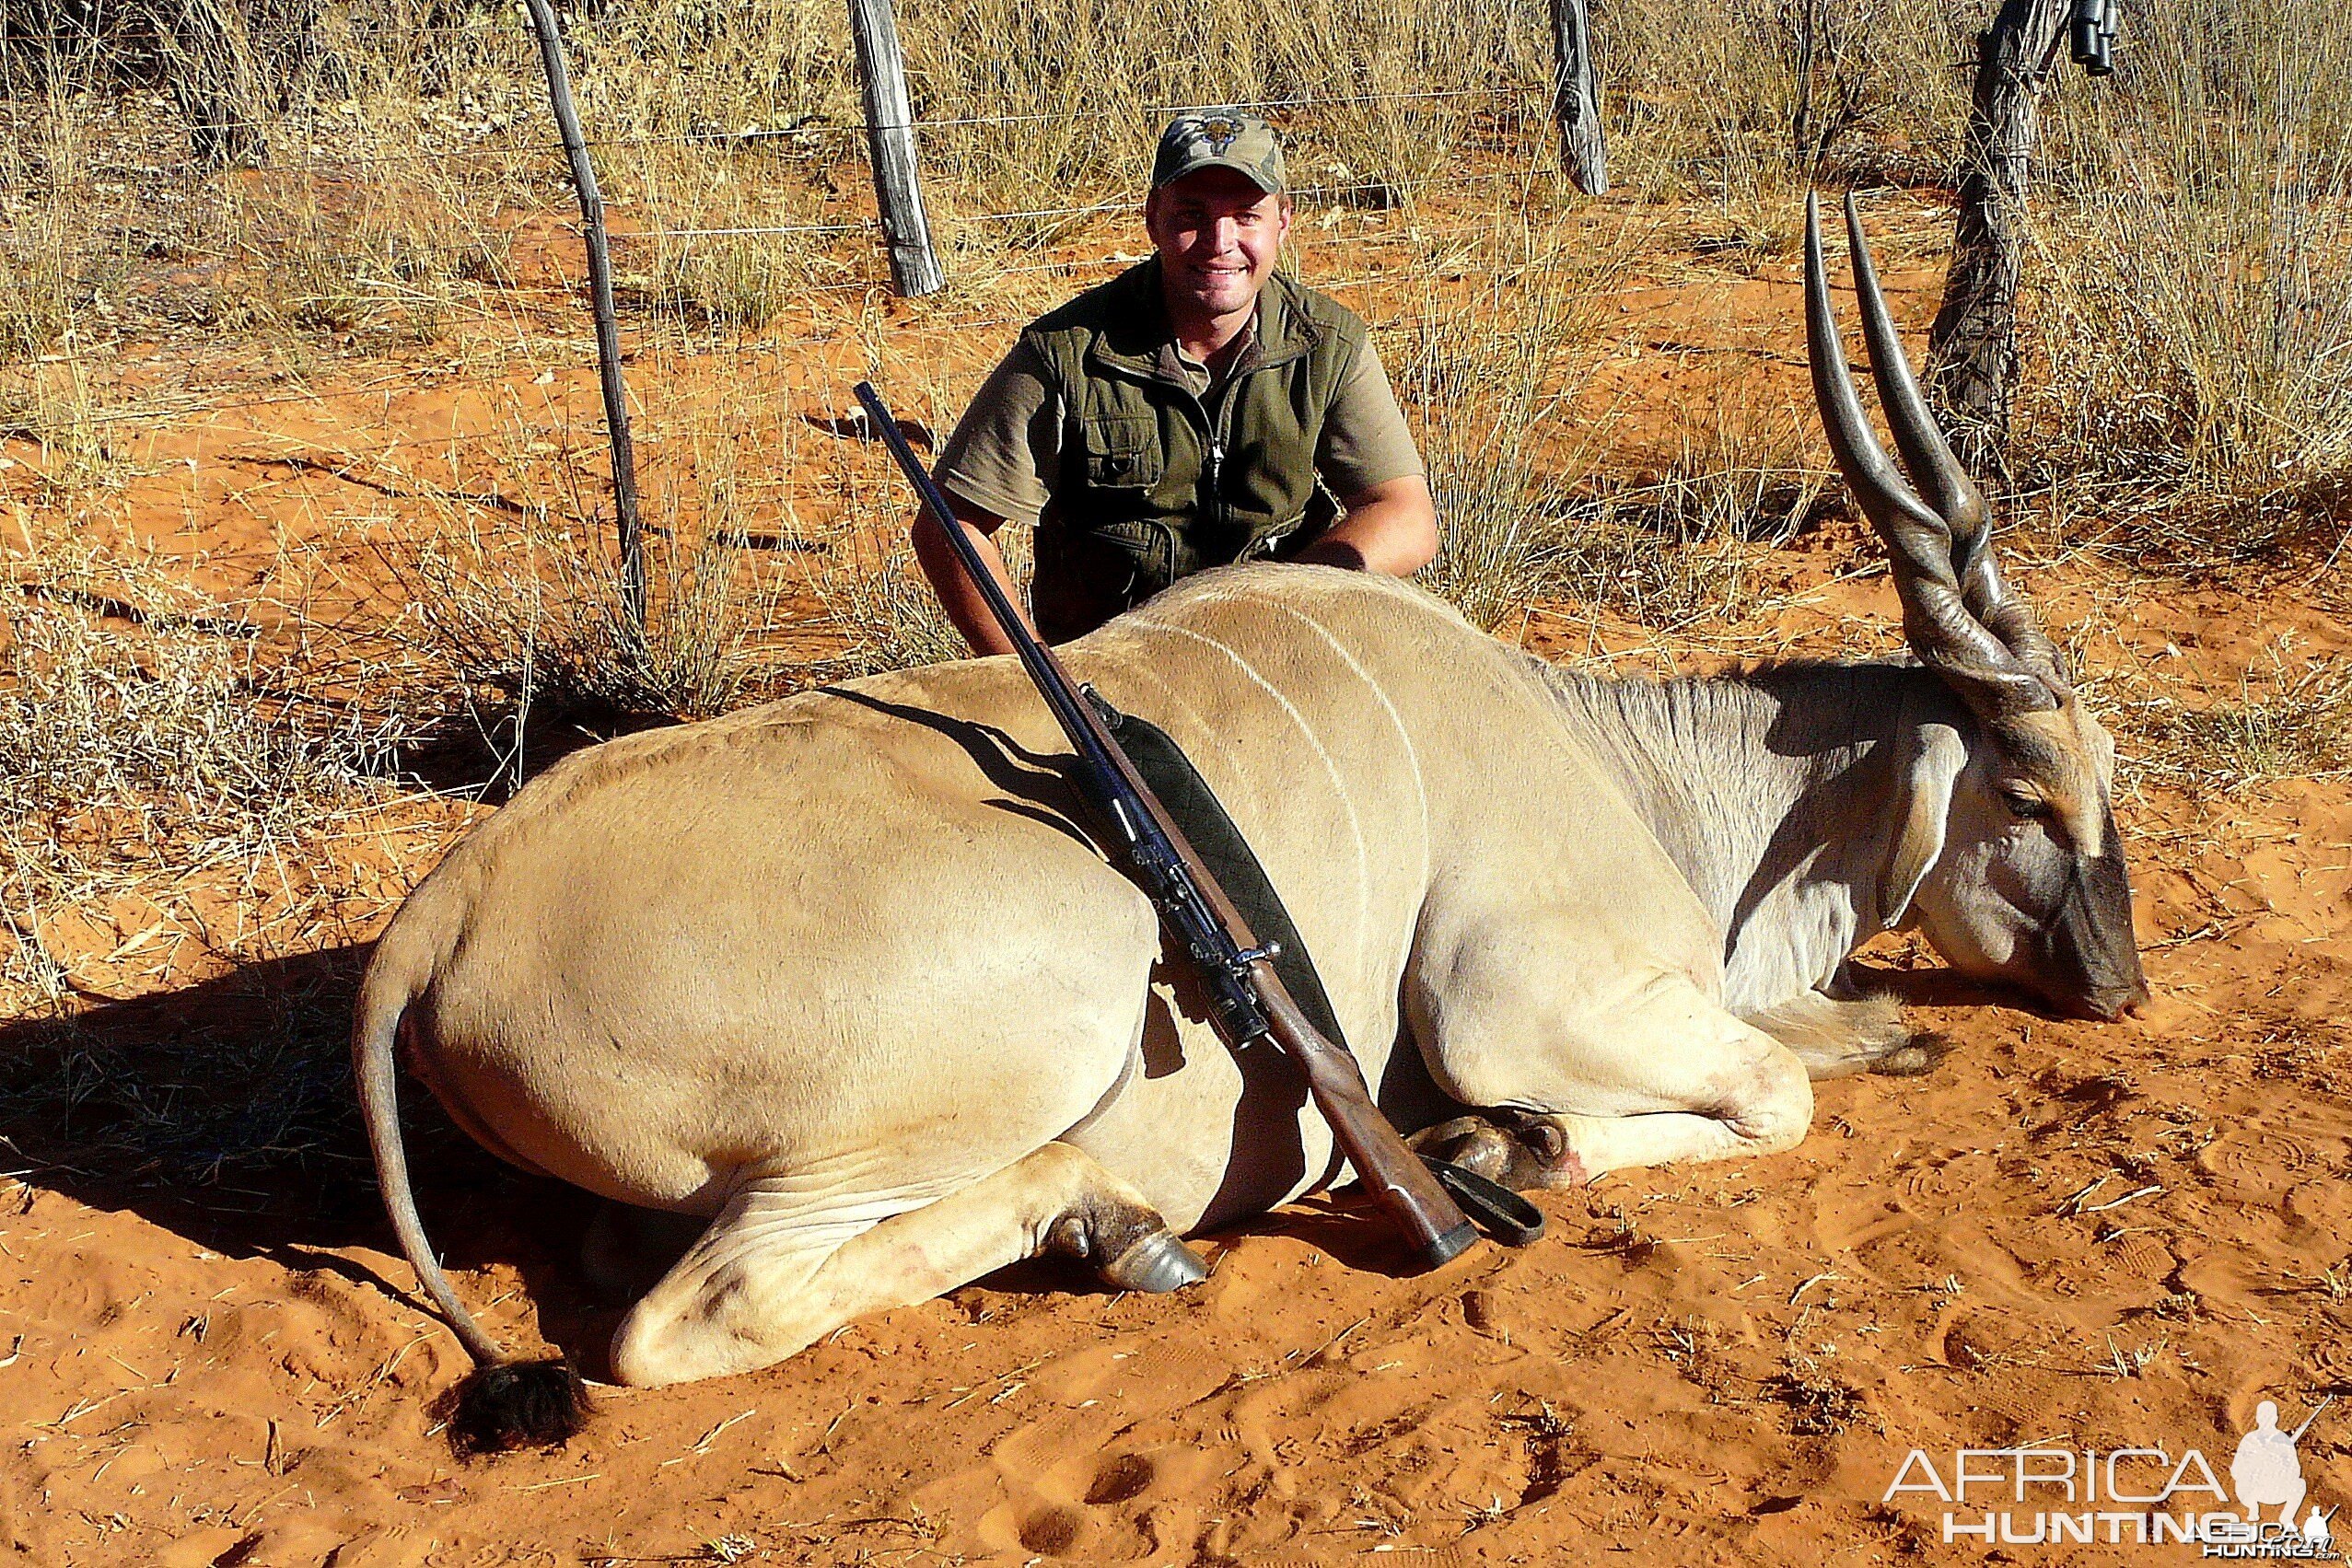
[{"x": 1963, "y": 620}]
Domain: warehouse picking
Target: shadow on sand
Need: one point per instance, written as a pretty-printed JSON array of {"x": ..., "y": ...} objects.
[{"x": 224, "y": 1113}]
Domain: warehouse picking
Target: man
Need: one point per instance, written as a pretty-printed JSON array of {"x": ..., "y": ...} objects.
[{"x": 1196, "y": 410}]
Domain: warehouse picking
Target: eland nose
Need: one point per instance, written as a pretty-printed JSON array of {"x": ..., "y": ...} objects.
[{"x": 2120, "y": 1002}]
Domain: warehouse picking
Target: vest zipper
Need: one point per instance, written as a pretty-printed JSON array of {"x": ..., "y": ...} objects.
[
  {"x": 1216, "y": 420},
  {"x": 1213, "y": 434},
  {"x": 1213, "y": 423}
]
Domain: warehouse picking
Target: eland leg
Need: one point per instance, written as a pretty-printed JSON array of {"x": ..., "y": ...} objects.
[
  {"x": 1666, "y": 1074},
  {"x": 769, "y": 1278},
  {"x": 1511, "y": 1147}
]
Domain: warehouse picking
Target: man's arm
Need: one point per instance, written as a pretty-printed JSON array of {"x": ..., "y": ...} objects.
[
  {"x": 956, "y": 593},
  {"x": 992, "y": 469},
  {"x": 1389, "y": 527},
  {"x": 1368, "y": 459}
]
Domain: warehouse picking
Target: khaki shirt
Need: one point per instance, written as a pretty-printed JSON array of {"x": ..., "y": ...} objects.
[{"x": 1010, "y": 437}]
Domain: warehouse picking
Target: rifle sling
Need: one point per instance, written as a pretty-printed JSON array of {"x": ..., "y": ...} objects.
[
  {"x": 1228, "y": 855},
  {"x": 1501, "y": 1213}
]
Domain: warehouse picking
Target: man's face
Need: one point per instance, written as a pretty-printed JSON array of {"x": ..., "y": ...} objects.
[{"x": 1217, "y": 236}]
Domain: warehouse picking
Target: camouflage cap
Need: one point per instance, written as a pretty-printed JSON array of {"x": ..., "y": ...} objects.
[{"x": 1220, "y": 138}]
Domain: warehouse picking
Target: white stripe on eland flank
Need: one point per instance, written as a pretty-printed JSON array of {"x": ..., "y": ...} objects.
[
  {"x": 1412, "y": 755},
  {"x": 1406, "y": 931},
  {"x": 1339, "y": 784}
]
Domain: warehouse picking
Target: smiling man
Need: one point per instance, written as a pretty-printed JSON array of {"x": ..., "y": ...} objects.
[{"x": 1196, "y": 410}]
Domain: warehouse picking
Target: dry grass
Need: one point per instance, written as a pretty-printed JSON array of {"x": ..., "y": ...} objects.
[
  {"x": 528, "y": 607},
  {"x": 386, "y": 268},
  {"x": 1745, "y": 464},
  {"x": 406, "y": 145},
  {"x": 1671, "y": 545},
  {"x": 2195, "y": 320},
  {"x": 1494, "y": 368},
  {"x": 245, "y": 1075},
  {"x": 57, "y": 269},
  {"x": 140, "y": 724},
  {"x": 64, "y": 266},
  {"x": 403, "y": 144},
  {"x": 884, "y": 613},
  {"x": 1739, "y": 99},
  {"x": 2288, "y": 723}
]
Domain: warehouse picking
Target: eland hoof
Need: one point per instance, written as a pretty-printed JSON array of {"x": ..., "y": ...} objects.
[{"x": 1157, "y": 1264}]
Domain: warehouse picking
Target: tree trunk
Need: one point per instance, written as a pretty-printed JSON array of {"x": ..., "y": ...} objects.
[
  {"x": 1972, "y": 349},
  {"x": 210, "y": 72},
  {"x": 608, "y": 323}
]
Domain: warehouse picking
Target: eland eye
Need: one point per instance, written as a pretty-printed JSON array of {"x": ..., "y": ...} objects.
[{"x": 2025, "y": 804}]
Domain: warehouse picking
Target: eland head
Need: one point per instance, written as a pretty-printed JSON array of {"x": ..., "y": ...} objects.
[{"x": 2008, "y": 859}]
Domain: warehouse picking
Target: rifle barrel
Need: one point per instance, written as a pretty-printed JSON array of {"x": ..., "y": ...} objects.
[{"x": 1045, "y": 671}]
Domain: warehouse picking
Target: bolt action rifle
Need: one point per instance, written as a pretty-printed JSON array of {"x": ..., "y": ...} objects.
[{"x": 1248, "y": 1002}]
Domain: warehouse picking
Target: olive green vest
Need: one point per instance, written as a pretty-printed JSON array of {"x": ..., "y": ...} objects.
[{"x": 1155, "y": 483}]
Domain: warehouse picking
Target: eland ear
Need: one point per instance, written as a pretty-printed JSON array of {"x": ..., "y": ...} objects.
[{"x": 1928, "y": 755}]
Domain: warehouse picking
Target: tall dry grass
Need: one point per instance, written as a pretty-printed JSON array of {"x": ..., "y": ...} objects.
[
  {"x": 1494, "y": 363},
  {"x": 1742, "y": 99},
  {"x": 524, "y": 606},
  {"x": 139, "y": 719},
  {"x": 387, "y": 127},
  {"x": 2194, "y": 253},
  {"x": 65, "y": 263}
]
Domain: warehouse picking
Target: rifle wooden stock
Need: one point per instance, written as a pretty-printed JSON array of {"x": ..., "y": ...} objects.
[
  {"x": 1431, "y": 1220},
  {"x": 1393, "y": 1172}
]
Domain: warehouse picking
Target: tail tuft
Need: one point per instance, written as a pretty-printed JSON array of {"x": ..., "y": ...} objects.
[
  {"x": 1923, "y": 1052},
  {"x": 527, "y": 1404}
]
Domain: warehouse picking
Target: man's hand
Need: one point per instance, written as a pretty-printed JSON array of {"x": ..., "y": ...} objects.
[
  {"x": 957, "y": 594},
  {"x": 1391, "y": 528}
]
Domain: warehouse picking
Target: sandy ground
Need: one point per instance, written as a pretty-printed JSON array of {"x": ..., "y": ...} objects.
[{"x": 2069, "y": 1235}]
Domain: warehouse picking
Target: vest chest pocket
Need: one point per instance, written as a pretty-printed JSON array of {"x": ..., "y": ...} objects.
[
  {"x": 1087, "y": 575},
  {"x": 1124, "y": 454},
  {"x": 1134, "y": 556}
]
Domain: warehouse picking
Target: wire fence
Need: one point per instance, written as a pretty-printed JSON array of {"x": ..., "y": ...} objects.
[
  {"x": 858, "y": 128},
  {"x": 1402, "y": 192},
  {"x": 553, "y": 300},
  {"x": 317, "y": 134},
  {"x": 320, "y": 160},
  {"x": 308, "y": 148},
  {"x": 197, "y": 405}
]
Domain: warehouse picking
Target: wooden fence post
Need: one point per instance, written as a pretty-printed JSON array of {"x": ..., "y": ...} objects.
[
  {"x": 608, "y": 327},
  {"x": 890, "y": 146},
  {"x": 1972, "y": 348},
  {"x": 1576, "y": 102}
]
